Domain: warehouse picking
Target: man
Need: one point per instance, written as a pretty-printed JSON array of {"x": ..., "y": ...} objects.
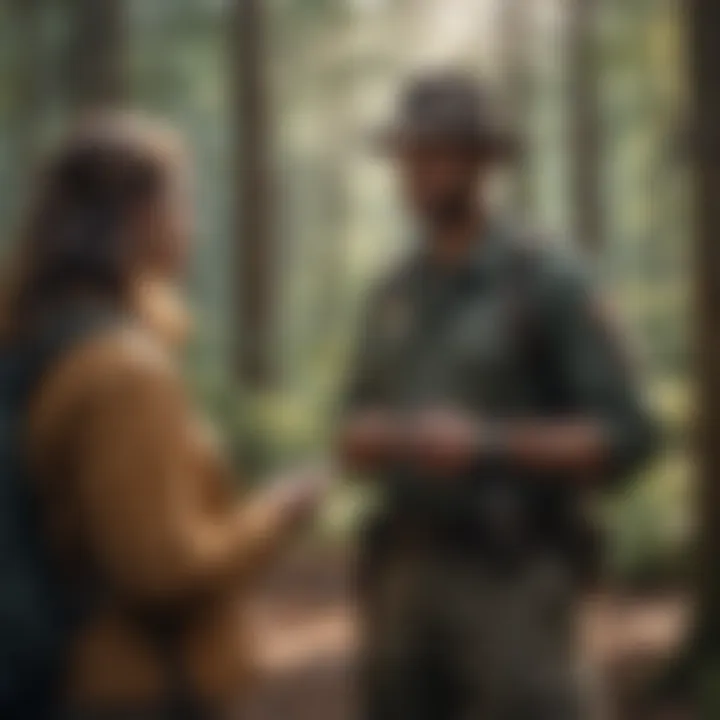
[{"x": 489, "y": 397}]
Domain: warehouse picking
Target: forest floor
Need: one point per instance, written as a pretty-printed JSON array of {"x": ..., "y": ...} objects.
[{"x": 303, "y": 620}]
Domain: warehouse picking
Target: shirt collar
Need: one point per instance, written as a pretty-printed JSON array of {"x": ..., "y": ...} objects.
[
  {"x": 160, "y": 307},
  {"x": 488, "y": 254},
  {"x": 485, "y": 257}
]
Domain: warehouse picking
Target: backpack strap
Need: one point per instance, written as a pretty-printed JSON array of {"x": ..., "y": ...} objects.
[
  {"x": 55, "y": 335},
  {"x": 27, "y": 360},
  {"x": 533, "y": 339}
]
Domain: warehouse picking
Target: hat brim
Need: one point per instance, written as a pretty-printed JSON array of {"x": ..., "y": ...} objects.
[{"x": 501, "y": 146}]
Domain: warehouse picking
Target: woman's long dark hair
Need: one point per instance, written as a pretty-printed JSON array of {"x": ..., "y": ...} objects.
[{"x": 75, "y": 233}]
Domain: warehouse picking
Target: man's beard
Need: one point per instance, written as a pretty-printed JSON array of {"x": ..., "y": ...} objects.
[{"x": 450, "y": 210}]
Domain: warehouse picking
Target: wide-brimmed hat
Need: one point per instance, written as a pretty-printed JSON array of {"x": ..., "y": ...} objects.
[{"x": 453, "y": 108}]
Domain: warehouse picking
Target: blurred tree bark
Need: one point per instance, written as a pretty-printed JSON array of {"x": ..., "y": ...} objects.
[
  {"x": 97, "y": 58},
  {"x": 331, "y": 271},
  {"x": 585, "y": 124},
  {"x": 255, "y": 256},
  {"x": 28, "y": 58},
  {"x": 704, "y": 55},
  {"x": 516, "y": 25}
]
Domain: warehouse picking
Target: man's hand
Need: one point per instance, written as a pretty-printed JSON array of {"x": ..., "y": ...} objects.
[
  {"x": 444, "y": 442},
  {"x": 370, "y": 440},
  {"x": 448, "y": 442},
  {"x": 434, "y": 442}
]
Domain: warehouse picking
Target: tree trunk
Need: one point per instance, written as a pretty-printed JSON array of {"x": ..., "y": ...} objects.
[
  {"x": 585, "y": 125},
  {"x": 96, "y": 70},
  {"x": 516, "y": 49},
  {"x": 28, "y": 56},
  {"x": 331, "y": 270},
  {"x": 704, "y": 50},
  {"x": 254, "y": 243},
  {"x": 28, "y": 59}
]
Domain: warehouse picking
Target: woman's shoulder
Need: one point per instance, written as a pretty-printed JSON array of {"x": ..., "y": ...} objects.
[
  {"x": 125, "y": 353},
  {"x": 124, "y": 360}
]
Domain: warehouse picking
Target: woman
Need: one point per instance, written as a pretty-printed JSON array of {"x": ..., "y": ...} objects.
[{"x": 138, "y": 504}]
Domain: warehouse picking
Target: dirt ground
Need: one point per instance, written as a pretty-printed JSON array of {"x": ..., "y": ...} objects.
[{"x": 303, "y": 621}]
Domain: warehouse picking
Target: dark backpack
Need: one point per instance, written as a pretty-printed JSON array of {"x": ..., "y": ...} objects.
[{"x": 38, "y": 612}]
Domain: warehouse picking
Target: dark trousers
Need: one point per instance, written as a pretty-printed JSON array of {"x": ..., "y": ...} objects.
[{"x": 446, "y": 638}]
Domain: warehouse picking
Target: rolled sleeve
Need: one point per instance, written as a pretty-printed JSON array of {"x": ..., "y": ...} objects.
[
  {"x": 599, "y": 377},
  {"x": 362, "y": 389}
]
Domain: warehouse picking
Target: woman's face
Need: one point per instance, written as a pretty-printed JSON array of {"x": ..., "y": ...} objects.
[{"x": 166, "y": 226}]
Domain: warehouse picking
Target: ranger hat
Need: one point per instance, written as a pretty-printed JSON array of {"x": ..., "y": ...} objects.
[{"x": 453, "y": 108}]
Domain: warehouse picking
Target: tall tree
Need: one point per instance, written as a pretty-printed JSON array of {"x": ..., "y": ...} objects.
[
  {"x": 704, "y": 54},
  {"x": 516, "y": 23},
  {"x": 27, "y": 59},
  {"x": 27, "y": 54},
  {"x": 585, "y": 124},
  {"x": 97, "y": 57},
  {"x": 338, "y": 80},
  {"x": 255, "y": 246}
]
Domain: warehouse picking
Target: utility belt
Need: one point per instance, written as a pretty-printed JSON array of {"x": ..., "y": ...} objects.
[{"x": 502, "y": 523}]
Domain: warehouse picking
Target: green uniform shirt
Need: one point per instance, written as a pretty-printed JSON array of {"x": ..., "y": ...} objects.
[{"x": 516, "y": 331}]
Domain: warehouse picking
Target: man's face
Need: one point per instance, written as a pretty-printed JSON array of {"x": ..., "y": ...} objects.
[{"x": 439, "y": 180}]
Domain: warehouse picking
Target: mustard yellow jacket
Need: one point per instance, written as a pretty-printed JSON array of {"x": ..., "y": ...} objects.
[{"x": 136, "y": 489}]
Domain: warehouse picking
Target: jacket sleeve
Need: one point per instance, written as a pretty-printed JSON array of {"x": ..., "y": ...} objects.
[
  {"x": 363, "y": 386},
  {"x": 598, "y": 374},
  {"x": 150, "y": 527}
]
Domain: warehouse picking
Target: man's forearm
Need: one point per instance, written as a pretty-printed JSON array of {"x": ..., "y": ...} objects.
[
  {"x": 447, "y": 443},
  {"x": 369, "y": 441},
  {"x": 577, "y": 447}
]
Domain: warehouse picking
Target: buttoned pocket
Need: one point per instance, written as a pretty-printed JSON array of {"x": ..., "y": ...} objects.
[{"x": 480, "y": 358}]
